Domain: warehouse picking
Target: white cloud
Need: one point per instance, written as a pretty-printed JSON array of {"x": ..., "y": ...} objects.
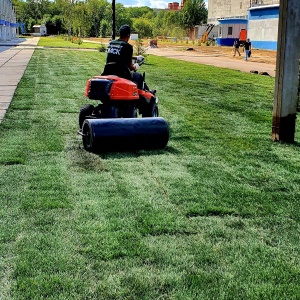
[{"x": 150, "y": 3}]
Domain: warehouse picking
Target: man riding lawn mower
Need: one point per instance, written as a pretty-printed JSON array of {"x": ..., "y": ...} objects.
[{"x": 114, "y": 125}]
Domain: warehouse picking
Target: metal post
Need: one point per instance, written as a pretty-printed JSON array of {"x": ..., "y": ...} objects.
[
  {"x": 287, "y": 68},
  {"x": 113, "y": 6}
]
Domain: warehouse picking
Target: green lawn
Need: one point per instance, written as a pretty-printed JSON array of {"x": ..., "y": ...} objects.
[
  {"x": 63, "y": 42},
  {"x": 213, "y": 216}
]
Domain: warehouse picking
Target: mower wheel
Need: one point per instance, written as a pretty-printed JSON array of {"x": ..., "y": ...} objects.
[
  {"x": 110, "y": 112},
  {"x": 87, "y": 137},
  {"x": 85, "y": 111},
  {"x": 150, "y": 110},
  {"x": 130, "y": 112}
]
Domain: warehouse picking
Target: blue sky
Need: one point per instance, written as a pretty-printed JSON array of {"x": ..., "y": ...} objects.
[{"x": 150, "y": 3}]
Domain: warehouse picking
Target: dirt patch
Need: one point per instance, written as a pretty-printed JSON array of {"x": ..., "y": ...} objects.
[{"x": 262, "y": 56}]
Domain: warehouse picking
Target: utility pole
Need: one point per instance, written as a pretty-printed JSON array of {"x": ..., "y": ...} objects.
[
  {"x": 287, "y": 72},
  {"x": 113, "y": 9}
]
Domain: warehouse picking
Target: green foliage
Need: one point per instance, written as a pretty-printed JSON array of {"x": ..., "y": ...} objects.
[
  {"x": 178, "y": 32},
  {"x": 102, "y": 48},
  {"x": 143, "y": 27},
  {"x": 94, "y": 17},
  {"x": 165, "y": 23},
  {"x": 105, "y": 28},
  {"x": 194, "y": 12},
  {"x": 139, "y": 49},
  {"x": 77, "y": 40},
  {"x": 122, "y": 16},
  {"x": 53, "y": 24},
  {"x": 96, "y": 10},
  {"x": 30, "y": 23},
  {"x": 140, "y": 12}
]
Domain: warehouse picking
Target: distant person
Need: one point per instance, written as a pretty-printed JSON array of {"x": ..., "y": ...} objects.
[
  {"x": 247, "y": 47},
  {"x": 236, "y": 46}
]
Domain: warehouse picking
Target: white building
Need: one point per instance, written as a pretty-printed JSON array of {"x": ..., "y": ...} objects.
[
  {"x": 263, "y": 26},
  {"x": 8, "y": 23},
  {"x": 258, "y": 18},
  {"x": 39, "y": 30}
]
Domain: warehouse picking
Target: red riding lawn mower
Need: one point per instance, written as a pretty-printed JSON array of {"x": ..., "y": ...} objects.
[{"x": 115, "y": 123}]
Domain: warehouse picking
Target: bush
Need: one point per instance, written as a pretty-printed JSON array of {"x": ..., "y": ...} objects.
[
  {"x": 102, "y": 48},
  {"x": 139, "y": 48}
]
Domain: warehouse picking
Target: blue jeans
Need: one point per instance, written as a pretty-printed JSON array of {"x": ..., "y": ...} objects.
[
  {"x": 246, "y": 54},
  {"x": 138, "y": 78}
]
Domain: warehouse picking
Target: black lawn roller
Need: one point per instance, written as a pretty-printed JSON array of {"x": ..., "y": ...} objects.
[{"x": 101, "y": 135}]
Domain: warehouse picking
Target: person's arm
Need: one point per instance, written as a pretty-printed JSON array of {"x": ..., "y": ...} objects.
[
  {"x": 130, "y": 64},
  {"x": 132, "y": 67}
]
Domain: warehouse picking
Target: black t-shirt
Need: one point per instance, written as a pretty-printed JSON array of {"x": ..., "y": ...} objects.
[
  {"x": 247, "y": 45},
  {"x": 120, "y": 52}
]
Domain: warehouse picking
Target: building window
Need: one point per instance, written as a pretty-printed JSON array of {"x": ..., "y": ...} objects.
[
  {"x": 253, "y": 2},
  {"x": 230, "y": 30}
]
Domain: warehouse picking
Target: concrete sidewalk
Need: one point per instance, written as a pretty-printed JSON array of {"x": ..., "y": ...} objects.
[{"x": 14, "y": 57}]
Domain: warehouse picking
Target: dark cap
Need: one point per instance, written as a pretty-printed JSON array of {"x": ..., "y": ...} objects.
[{"x": 124, "y": 30}]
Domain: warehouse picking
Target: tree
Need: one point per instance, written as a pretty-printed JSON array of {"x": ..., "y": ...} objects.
[
  {"x": 122, "y": 16},
  {"x": 96, "y": 13},
  {"x": 81, "y": 24},
  {"x": 143, "y": 27},
  {"x": 68, "y": 11},
  {"x": 194, "y": 12},
  {"x": 37, "y": 9},
  {"x": 157, "y": 24},
  {"x": 171, "y": 21},
  {"x": 140, "y": 12},
  {"x": 105, "y": 28}
]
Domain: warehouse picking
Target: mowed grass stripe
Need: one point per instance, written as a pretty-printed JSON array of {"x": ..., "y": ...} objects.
[{"x": 214, "y": 215}]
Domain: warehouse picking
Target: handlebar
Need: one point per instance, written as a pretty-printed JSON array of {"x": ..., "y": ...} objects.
[{"x": 138, "y": 60}]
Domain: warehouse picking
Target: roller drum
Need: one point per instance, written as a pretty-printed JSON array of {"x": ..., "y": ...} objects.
[{"x": 100, "y": 135}]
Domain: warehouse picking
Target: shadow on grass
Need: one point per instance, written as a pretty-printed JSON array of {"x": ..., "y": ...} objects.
[
  {"x": 217, "y": 212},
  {"x": 86, "y": 160},
  {"x": 149, "y": 64},
  {"x": 135, "y": 153}
]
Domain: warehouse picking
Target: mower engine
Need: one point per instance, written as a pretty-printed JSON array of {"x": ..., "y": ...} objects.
[{"x": 111, "y": 88}]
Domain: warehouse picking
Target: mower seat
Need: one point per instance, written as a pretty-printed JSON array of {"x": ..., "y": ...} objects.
[{"x": 118, "y": 70}]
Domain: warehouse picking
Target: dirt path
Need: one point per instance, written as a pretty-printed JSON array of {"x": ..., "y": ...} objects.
[{"x": 261, "y": 61}]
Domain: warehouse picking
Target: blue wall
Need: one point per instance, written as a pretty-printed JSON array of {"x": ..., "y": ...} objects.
[
  {"x": 233, "y": 21},
  {"x": 225, "y": 41},
  {"x": 266, "y": 45},
  {"x": 264, "y": 13}
]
